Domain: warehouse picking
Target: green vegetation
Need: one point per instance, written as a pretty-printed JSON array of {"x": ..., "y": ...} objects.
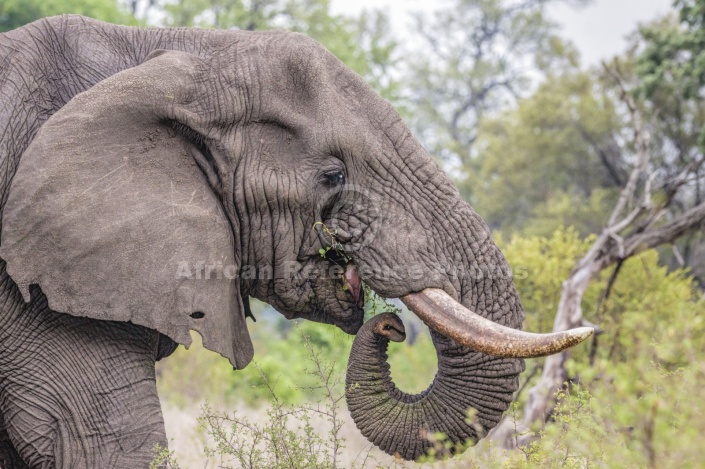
[
  {"x": 290, "y": 436},
  {"x": 474, "y": 63},
  {"x": 545, "y": 149},
  {"x": 279, "y": 356}
]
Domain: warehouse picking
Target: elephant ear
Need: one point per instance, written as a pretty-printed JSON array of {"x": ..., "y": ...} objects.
[{"x": 112, "y": 214}]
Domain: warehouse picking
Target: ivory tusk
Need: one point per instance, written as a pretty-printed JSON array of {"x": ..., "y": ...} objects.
[{"x": 448, "y": 317}]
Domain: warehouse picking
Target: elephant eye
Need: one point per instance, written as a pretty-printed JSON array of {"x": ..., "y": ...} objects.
[{"x": 334, "y": 178}]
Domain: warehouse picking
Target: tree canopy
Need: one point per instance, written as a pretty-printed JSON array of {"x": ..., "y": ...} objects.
[
  {"x": 552, "y": 161},
  {"x": 478, "y": 57}
]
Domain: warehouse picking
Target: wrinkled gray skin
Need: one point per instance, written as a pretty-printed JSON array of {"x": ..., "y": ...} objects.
[
  {"x": 405, "y": 423},
  {"x": 120, "y": 162}
]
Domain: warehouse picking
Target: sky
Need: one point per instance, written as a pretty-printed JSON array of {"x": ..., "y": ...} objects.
[{"x": 598, "y": 30}]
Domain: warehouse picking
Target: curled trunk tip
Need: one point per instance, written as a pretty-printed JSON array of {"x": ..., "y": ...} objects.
[{"x": 455, "y": 404}]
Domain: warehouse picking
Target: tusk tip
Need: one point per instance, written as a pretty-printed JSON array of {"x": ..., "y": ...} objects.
[
  {"x": 579, "y": 334},
  {"x": 450, "y": 318},
  {"x": 582, "y": 333}
]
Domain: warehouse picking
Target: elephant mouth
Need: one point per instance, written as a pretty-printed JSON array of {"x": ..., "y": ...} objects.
[
  {"x": 354, "y": 284},
  {"x": 338, "y": 297},
  {"x": 442, "y": 313},
  {"x": 450, "y": 318}
]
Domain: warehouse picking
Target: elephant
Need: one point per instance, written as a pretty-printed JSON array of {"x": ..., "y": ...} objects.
[{"x": 154, "y": 180}]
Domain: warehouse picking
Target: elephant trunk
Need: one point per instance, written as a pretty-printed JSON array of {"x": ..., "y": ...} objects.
[{"x": 402, "y": 424}]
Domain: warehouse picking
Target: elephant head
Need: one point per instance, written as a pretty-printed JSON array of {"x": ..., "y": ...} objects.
[{"x": 258, "y": 165}]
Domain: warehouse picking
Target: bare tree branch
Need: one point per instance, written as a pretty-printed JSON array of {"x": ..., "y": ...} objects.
[
  {"x": 604, "y": 158},
  {"x": 611, "y": 247}
]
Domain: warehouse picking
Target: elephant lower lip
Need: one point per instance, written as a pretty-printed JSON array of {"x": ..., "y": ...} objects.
[{"x": 355, "y": 284}]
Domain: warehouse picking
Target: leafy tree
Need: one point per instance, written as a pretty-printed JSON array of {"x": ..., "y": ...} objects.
[
  {"x": 552, "y": 161},
  {"x": 655, "y": 207},
  {"x": 477, "y": 57},
  {"x": 670, "y": 69},
  {"x": 674, "y": 56},
  {"x": 624, "y": 150},
  {"x": 561, "y": 155},
  {"x": 222, "y": 14},
  {"x": 16, "y": 13}
]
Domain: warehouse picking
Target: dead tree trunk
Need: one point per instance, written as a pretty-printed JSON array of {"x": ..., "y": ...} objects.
[{"x": 640, "y": 218}]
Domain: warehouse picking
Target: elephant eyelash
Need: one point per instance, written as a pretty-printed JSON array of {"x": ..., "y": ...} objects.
[{"x": 185, "y": 131}]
